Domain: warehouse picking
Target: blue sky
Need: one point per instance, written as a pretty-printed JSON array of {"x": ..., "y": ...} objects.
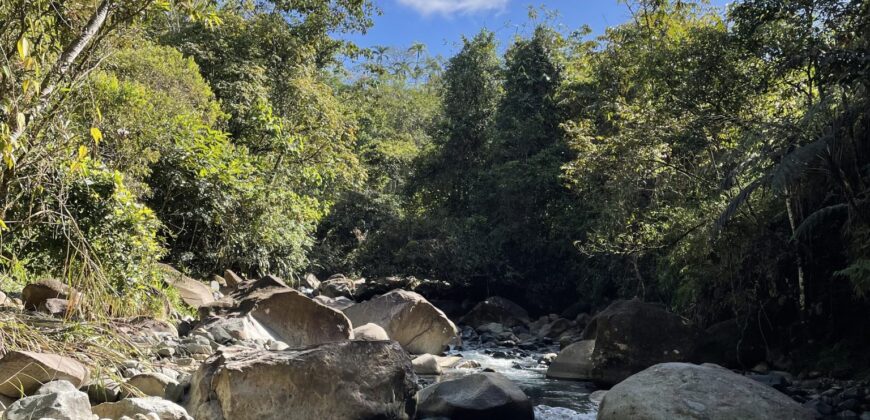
[{"x": 440, "y": 23}]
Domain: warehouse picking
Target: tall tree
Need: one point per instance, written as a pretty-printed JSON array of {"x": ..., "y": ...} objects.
[{"x": 472, "y": 88}]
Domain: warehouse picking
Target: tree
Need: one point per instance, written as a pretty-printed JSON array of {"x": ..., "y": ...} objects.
[{"x": 471, "y": 93}]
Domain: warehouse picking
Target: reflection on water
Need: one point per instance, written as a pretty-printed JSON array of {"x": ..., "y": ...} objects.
[{"x": 553, "y": 399}]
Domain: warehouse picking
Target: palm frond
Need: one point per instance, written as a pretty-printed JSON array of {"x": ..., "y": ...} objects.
[
  {"x": 812, "y": 221},
  {"x": 741, "y": 198},
  {"x": 795, "y": 164}
]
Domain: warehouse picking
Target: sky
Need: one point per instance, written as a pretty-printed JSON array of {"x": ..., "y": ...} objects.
[{"x": 439, "y": 24}]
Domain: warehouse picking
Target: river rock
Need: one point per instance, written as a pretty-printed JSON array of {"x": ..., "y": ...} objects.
[
  {"x": 310, "y": 281},
  {"x": 58, "y": 400},
  {"x": 130, "y": 407},
  {"x": 680, "y": 391},
  {"x": 266, "y": 282},
  {"x": 345, "y": 380},
  {"x": 624, "y": 339},
  {"x": 56, "y": 307},
  {"x": 147, "y": 327},
  {"x": 192, "y": 292},
  {"x": 476, "y": 396},
  {"x": 496, "y": 309},
  {"x": 370, "y": 332},
  {"x": 573, "y": 362},
  {"x": 337, "y": 285},
  {"x": 35, "y": 294},
  {"x": 409, "y": 319},
  {"x": 295, "y": 319},
  {"x": 232, "y": 279},
  {"x": 157, "y": 385},
  {"x": 556, "y": 328},
  {"x": 242, "y": 328},
  {"x": 426, "y": 364},
  {"x": 23, "y": 371}
]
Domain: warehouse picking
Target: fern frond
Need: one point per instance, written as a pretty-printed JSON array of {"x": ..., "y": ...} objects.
[{"x": 859, "y": 274}]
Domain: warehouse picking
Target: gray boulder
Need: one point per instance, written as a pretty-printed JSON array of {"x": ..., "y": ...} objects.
[
  {"x": 409, "y": 319},
  {"x": 295, "y": 319},
  {"x": 426, "y": 364},
  {"x": 25, "y": 372},
  {"x": 370, "y": 332},
  {"x": 157, "y": 385},
  {"x": 345, "y": 380},
  {"x": 130, "y": 407},
  {"x": 496, "y": 309},
  {"x": 680, "y": 391},
  {"x": 193, "y": 292},
  {"x": 337, "y": 285},
  {"x": 58, "y": 400},
  {"x": 232, "y": 279},
  {"x": 627, "y": 337},
  {"x": 478, "y": 396}
]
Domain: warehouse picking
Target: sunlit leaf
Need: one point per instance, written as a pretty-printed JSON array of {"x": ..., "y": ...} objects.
[
  {"x": 96, "y": 134},
  {"x": 23, "y": 48}
]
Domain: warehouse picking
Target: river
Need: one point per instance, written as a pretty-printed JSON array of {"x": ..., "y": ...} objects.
[{"x": 553, "y": 399}]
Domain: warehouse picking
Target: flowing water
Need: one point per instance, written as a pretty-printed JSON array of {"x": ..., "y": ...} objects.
[{"x": 553, "y": 399}]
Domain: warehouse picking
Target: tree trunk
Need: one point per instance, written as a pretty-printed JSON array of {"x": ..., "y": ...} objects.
[
  {"x": 802, "y": 292},
  {"x": 65, "y": 62}
]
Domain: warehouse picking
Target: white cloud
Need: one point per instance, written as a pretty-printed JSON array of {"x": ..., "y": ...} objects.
[{"x": 449, "y": 7}]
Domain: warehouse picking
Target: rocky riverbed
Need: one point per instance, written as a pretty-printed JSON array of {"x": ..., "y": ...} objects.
[{"x": 350, "y": 349}]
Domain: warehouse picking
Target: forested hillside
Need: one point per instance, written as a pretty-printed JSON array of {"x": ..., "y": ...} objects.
[{"x": 714, "y": 161}]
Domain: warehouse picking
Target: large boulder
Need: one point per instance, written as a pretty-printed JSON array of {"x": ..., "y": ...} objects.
[
  {"x": 478, "y": 396},
  {"x": 347, "y": 380},
  {"x": 627, "y": 337},
  {"x": 496, "y": 309},
  {"x": 409, "y": 319},
  {"x": 192, "y": 292},
  {"x": 23, "y": 372},
  {"x": 58, "y": 400},
  {"x": 130, "y": 407},
  {"x": 36, "y": 294},
  {"x": 574, "y": 362},
  {"x": 679, "y": 391},
  {"x": 295, "y": 319}
]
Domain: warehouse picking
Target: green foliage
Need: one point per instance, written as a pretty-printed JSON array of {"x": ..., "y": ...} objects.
[{"x": 396, "y": 103}]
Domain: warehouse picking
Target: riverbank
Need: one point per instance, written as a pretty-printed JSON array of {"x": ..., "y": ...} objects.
[{"x": 346, "y": 348}]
